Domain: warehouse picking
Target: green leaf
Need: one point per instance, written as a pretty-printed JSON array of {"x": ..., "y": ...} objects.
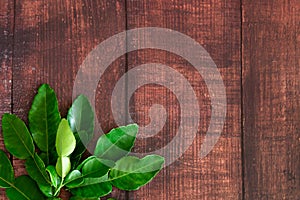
[
  {"x": 65, "y": 140},
  {"x": 55, "y": 180},
  {"x": 63, "y": 166},
  {"x": 81, "y": 120},
  {"x": 80, "y": 148},
  {"x": 130, "y": 173},
  {"x": 93, "y": 188},
  {"x": 44, "y": 119},
  {"x": 73, "y": 179},
  {"x": 81, "y": 116},
  {"x": 96, "y": 168},
  {"x": 79, "y": 167},
  {"x": 52, "y": 157},
  {"x": 24, "y": 189},
  {"x": 117, "y": 143},
  {"x": 37, "y": 171},
  {"x": 17, "y": 138},
  {"x": 6, "y": 171}
]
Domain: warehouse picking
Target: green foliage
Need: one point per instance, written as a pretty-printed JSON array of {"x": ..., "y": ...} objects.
[
  {"x": 61, "y": 143},
  {"x": 44, "y": 118}
]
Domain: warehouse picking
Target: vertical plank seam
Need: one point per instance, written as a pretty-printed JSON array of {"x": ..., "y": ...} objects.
[
  {"x": 127, "y": 193},
  {"x": 12, "y": 65},
  {"x": 242, "y": 101}
]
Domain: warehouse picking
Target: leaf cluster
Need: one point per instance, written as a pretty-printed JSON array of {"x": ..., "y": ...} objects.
[{"x": 52, "y": 148}]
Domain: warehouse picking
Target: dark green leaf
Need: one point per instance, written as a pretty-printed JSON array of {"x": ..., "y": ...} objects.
[
  {"x": 24, "y": 189},
  {"x": 117, "y": 143},
  {"x": 73, "y": 179},
  {"x": 81, "y": 120},
  {"x": 93, "y": 188},
  {"x": 63, "y": 166},
  {"x": 81, "y": 116},
  {"x": 37, "y": 171},
  {"x": 52, "y": 157},
  {"x": 130, "y": 173},
  {"x": 16, "y": 136},
  {"x": 79, "y": 167},
  {"x": 96, "y": 168},
  {"x": 55, "y": 180},
  {"x": 44, "y": 118},
  {"x": 6, "y": 171},
  {"x": 80, "y": 148},
  {"x": 65, "y": 140}
]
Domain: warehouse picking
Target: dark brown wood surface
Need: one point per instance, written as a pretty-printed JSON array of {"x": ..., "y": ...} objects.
[
  {"x": 271, "y": 60},
  {"x": 255, "y": 44},
  {"x": 216, "y": 26},
  {"x": 6, "y": 49}
]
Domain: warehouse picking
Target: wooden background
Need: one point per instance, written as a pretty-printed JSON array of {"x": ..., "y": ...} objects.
[{"x": 255, "y": 44}]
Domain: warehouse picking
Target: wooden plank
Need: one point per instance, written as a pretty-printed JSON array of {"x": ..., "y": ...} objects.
[
  {"x": 52, "y": 39},
  {"x": 6, "y": 49},
  {"x": 215, "y": 24},
  {"x": 271, "y": 55}
]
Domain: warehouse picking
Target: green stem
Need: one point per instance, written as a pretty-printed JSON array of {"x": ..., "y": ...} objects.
[{"x": 59, "y": 188}]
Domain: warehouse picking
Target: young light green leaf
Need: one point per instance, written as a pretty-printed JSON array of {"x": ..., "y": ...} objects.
[
  {"x": 117, "y": 143},
  {"x": 37, "y": 171},
  {"x": 130, "y": 173},
  {"x": 63, "y": 166},
  {"x": 44, "y": 119},
  {"x": 73, "y": 179},
  {"x": 55, "y": 180},
  {"x": 93, "y": 188},
  {"x": 24, "y": 189},
  {"x": 96, "y": 168},
  {"x": 65, "y": 140},
  {"x": 6, "y": 171},
  {"x": 17, "y": 138}
]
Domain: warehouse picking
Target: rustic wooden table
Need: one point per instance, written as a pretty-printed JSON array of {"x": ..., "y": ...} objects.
[{"x": 255, "y": 44}]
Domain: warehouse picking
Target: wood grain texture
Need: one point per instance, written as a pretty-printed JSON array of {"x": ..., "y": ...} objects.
[
  {"x": 6, "y": 49},
  {"x": 52, "y": 39},
  {"x": 215, "y": 25},
  {"x": 271, "y": 59}
]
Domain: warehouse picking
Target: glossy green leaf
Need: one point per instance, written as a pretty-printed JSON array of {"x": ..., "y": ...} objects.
[
  {"x": 55, "y": 180},
  {"x": 17, "y": 138},
  {"x": 117, "y": 143},
  {"x": 73, "y": 179},
  {"x": 96, "y": 168},
  {"x": 93, "y": 188},
  {"x": 80, "y": 148},
  {"x": 81, "y": 116},
  {"x": 81, "y": 120},
  {"x": 79, "y": 167},
  {"x": 50, "y": 159},
  {"x": 63, "y": 166},
  {"x": 24, "y": 189},
  {"x": 65, "y": 140},
  {"x": 44, "y": 119},
  {"x": 37, "y": 171},
  {"x": 130, "y": 173},
  {"x": 6, "y": 171}
]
